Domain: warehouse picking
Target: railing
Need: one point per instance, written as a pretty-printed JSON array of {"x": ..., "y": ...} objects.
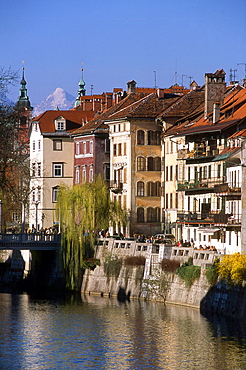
[
  {"x": 198, "y": 184},
  {"x": 214, "y": 217},
  {"x": 198, "y": 152},
  {"x": 116, "y": 186},
  {"x": 228, "y": 188},
  {"x": 30, "y": 238}
]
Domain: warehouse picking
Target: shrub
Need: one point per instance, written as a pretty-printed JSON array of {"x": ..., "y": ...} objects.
[
  {"x": 134, "y": 261},
  {"x": 212, "y": 273},
  {"x": 90, "y": 263},
  {"x": 232, "y": 268},
  {"x": 168, "y": 265},
  {"x": 112, "y": 265},
  {"x": 188, "y": 273}
]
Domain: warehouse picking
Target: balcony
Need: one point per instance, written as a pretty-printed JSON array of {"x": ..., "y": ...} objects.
[
  {"x": 216, "y": 218},
  {"x": 197, "y": 186},
  {"x": 200, "y": 153},
  {"x": 116, "y": 187},
  {"x": 231, "y": 191}
]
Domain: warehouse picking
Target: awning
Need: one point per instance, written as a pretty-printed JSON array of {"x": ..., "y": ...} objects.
[{"x": 209, "y": 230}]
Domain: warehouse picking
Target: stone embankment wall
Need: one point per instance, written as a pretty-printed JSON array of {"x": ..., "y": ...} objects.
[{"x": 130, "y": 280}]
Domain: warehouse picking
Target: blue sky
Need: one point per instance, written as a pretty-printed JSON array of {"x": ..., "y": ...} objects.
[{"x": 118, "y": 41}]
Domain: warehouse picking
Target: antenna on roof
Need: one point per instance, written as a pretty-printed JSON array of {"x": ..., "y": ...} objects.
[
  {"x": 190, "y": 77},
  {"x": 183, "y": 80},
  {"x": 233, "y": 74},
  {"x": 244, "y": 64},
  {"x": 155, "y": 80},
  {"x": 92, "y": 88}
]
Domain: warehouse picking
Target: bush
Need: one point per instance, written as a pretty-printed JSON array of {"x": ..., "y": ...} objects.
[
  {"x": 188, "y": 273},
  {"x": 232, "y": 269},
  {"x": 212, "y": 273},
  {"x": 90, "y": 263},
  {"x": 168, "y": 265},
  {"x": 134, "y": 261}
]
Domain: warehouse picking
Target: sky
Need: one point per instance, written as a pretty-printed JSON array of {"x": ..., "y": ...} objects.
[{"x": 154, "y": 42}]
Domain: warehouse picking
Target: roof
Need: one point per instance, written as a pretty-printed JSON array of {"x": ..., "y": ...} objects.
[
  {"x": 73, "y": 118},
  {"x": 232, "y": 112}
]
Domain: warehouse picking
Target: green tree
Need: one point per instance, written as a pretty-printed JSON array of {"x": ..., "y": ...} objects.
[{"x": 82, "y": 211}]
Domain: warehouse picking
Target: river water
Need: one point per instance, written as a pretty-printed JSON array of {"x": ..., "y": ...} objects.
[{"x": 100, "y": 333}]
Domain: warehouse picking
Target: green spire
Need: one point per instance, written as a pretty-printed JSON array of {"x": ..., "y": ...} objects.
[
  {"x": 81, "y": 90},
  {"x": 23, "y": 101}
]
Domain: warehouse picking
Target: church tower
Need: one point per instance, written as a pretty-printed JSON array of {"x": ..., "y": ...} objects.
[
  {"x": 23, "y": 104},
  {"x": 81, "y": 90}
]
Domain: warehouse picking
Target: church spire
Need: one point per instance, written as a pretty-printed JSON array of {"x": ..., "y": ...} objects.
[
  {"x": 81, "y": 90},
  {"x": 23, "y": 101}
]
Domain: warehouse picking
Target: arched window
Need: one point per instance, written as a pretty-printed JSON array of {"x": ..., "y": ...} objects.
[
  {"x": 158, "y": 189},
  {"x": 150, "y": 164},
  {"x": 151, "y": 189},
  {"x": 141, "y": 164},
  {"x": 140, "y": 214},
  {"x": 157, "y": 214},
  {"x": 140, "y": 137},
  {"x": 157, "y": 164},
  {"x": 150, "y": 214},
  {"x": 140, "y": 189},
  {"x": 154, "y": 138}
]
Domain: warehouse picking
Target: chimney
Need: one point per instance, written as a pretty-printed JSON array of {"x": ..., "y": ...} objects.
[
  {"x": 131, "y": 86},
  {"x": 214, "y": 90},
  {"x": 160, "y": 93},
  {"x": 244, "y": 82},
  {"x": 216, "y": 112}
]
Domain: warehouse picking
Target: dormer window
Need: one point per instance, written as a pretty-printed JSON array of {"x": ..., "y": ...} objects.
[{"x": 60, "y": 124}]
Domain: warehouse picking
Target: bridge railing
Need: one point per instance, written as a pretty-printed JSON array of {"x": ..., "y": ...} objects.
[{"x": 33, "y": 237}]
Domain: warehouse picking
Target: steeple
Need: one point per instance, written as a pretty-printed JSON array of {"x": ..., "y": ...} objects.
[
  {"x": 81, "y": 90},
  {"x": 23, "y": 101}
]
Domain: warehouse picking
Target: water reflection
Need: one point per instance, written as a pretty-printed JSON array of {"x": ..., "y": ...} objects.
[{"x": 100, "y": 333}]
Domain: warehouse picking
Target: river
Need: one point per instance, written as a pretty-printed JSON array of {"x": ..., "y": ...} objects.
[{"x": 100, "y": 333}]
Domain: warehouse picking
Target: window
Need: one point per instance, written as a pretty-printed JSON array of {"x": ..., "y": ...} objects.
[
  {"x": 33, "y": 169},
  {"x": 152, "y": 189},
  {"x": 33, "y": 196},
  {"x": 91, "y": 174},
  {"x": 84, "y": 174},
  {"x": 209, "y": 172},
  {"x": 150, "y": 164},
  {"x": 158, "y": 189},
  {"x": 39, "y": 145},
  {"x": 171, "y": 173},
  {"x": 77, "y": 147},
  {"x": 107, "y": 172},
  {"x": 54, "y": 194},
  {"x": 219, "y": 170},
  {"x": 91, "y": 147},
  {"x": 177, "y": 172},
  {"x": 57, "y": 169},
  {"x": 119, "y": 149},
  {"x": 33, "y": 146},
  {"x": 205, "y": 172},
  {"x": 39, "y": 195},
  {"x": 166, "y": 173},
  {"x": 153, "y": 138},
  {"x": 107, "y": 145},
  {"x": 157, "y": 164},
  {"x": 171, "y": 201},
  {"x": 140, "y": 189},
  {"x": 140, "y": 137},
  {"x": 84, "y": 147},
  {"x": 166, "y": 200},
  {"x": 157, "y": 214},
  {"x": 124, "y": 148},
  {"x": 115, "y": 149},
  {"x": 39, "y": 169},
  {"x": 140, "y": 164},
  {"x": 60, "y": 125},
  {"x": 15, "y": 217},
  {"x": 151, "y": 214},
  {"x": 77, "y": 175},
  {"x": 35, "y": 127},
  {"x": 140, "y": 214},
  {"x": 57, "y": 144}
]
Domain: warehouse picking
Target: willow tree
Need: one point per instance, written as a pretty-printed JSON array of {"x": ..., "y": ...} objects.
[{"x": 82, "y": 211}]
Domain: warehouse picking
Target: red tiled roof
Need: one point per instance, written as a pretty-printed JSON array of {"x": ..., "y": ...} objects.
[{"x": 74, "y": 119}]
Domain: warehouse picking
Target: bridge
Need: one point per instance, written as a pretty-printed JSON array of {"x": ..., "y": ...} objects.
[{"x": 33, "y": 241}]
